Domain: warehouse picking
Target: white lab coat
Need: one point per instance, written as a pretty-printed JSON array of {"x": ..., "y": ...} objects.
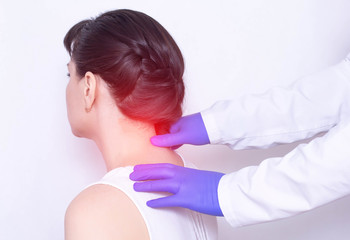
[{"x": 310, "y": 175}]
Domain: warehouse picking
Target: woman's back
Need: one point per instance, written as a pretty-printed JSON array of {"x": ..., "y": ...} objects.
[{"x": 136, "y": 219}]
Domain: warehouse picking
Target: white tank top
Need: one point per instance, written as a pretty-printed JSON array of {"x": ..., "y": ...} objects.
[{"x": 164, "y": 223}]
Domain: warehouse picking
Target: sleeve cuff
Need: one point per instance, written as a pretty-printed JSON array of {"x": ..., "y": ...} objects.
[
  {"x": 224, "y": 202},
  {"x": 211, "y": 126}
]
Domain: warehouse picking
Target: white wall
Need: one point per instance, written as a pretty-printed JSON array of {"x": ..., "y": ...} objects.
[{"x": 230, "y": 47}]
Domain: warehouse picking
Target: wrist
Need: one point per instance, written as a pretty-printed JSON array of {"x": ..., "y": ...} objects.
[{"x": 210, "y": 126}]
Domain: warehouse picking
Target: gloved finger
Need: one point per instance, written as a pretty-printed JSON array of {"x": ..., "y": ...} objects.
[
  {"x": 168, "y": 140},
  {"x": 157, "y": 186},
  {"x": 176, "y": 127},
  {"x": 170, "y": 201},
  {"x": 152, "y": 172},
  {"x": 152, "y": 165}
]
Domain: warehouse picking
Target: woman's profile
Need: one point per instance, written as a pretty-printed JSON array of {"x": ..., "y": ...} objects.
[{"x": 125, "y": 86}]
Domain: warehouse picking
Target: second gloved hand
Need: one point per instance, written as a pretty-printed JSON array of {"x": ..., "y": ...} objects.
[{"x": 191, "y": 188}]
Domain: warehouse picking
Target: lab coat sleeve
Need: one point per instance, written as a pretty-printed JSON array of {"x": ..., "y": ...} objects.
[
  {"x": 313, "y": 104},
  {"x": 309, "y": 176}
]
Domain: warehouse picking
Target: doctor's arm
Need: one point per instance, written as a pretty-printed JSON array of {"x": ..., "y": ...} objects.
[
  {"x": 311, "y": 105},
  {"x": 309, "y": 176}
]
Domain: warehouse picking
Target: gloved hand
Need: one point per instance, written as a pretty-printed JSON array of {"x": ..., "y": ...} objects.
[
  {"x": 191, "y": 188},
  {"x": 189, "y": 129}
]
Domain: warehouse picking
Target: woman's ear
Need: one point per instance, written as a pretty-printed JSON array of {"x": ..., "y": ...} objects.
[{"x": 89, "y": 90}]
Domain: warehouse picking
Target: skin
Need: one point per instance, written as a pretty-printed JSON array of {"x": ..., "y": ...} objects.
[{"x": 101, "y": 211}]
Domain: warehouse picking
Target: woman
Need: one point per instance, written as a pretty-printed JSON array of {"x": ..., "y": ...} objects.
[{"x": 125, "y": 86}]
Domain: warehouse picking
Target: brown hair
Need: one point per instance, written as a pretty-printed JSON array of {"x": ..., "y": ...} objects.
[{"x": 139, "y": 61}]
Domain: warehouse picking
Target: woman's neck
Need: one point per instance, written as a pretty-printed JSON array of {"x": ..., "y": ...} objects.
[{"x": 124, "y": 142}]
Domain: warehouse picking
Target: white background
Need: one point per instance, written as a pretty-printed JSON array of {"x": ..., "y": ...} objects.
[{"x": 230, "y": 47}]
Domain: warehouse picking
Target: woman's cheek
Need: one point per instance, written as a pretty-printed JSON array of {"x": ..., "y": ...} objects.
[{"x": 71, "y": 109}]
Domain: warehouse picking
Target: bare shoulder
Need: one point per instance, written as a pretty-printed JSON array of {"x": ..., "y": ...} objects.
[{"x": 103, "y": 212}]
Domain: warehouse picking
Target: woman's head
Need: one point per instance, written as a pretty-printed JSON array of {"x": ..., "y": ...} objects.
[{"x": 139, "y": 61}]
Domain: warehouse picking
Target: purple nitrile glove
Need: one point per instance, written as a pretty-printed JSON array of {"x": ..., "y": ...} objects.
[
  {"x": 191, "y": 188},
  {"x": 189, "y": 129}
]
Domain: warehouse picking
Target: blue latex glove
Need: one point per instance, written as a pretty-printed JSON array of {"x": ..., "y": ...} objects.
[
  {"x": 189, "y": 129},
  {"x": 191, "y": 188}
]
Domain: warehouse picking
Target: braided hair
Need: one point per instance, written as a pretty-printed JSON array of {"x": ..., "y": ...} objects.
[{"x": 137, "y": 58}]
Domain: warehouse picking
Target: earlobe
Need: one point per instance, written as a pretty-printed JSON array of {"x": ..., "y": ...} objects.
[{"x": 89, "y": 90}]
